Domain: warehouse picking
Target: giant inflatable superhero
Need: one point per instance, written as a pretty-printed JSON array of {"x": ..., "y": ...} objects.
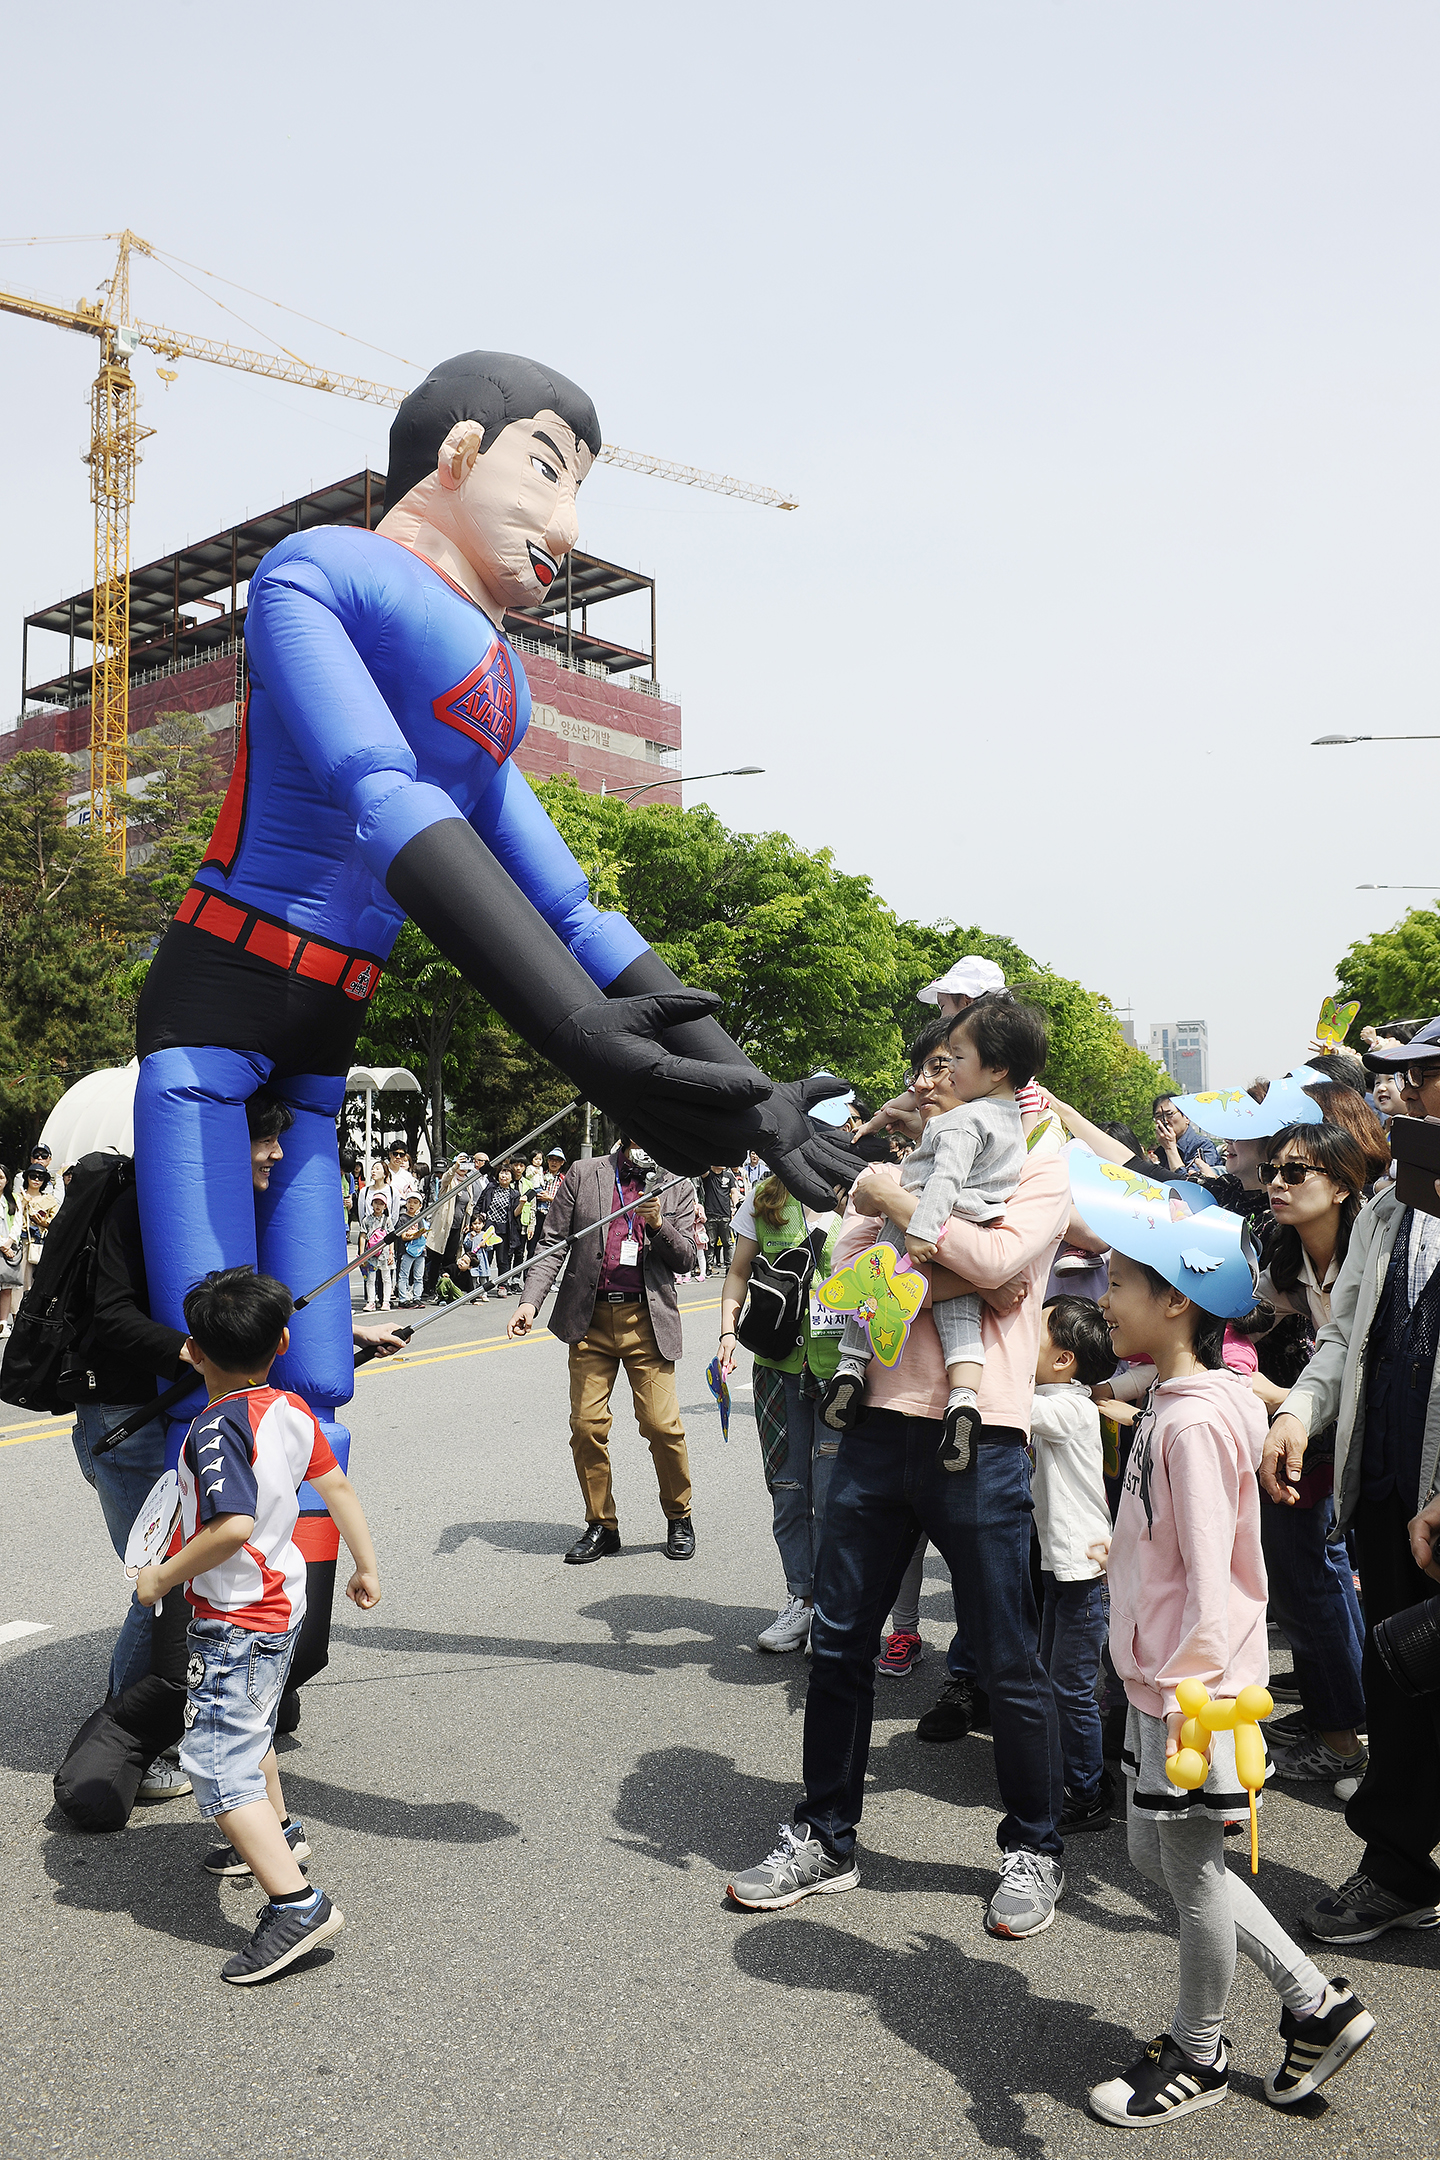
[{"x": 374, "y": 781}]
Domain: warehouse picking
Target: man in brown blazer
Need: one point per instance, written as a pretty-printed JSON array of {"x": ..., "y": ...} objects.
[{"x": 618, "y": 1305}]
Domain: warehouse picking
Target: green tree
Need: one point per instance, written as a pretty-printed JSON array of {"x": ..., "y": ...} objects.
[
  {"x": 1396, "y": 973},
  {"x": 176, "y": 814},
  {"x": 67, "y": 930}
]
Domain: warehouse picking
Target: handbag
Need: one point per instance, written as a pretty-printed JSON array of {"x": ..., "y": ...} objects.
[{"x": 772, "y": 1324}]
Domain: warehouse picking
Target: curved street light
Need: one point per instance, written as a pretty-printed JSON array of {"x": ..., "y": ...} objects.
[
  {"x": 1319, "y": 742},
  {"x": 730, "y": 772}
]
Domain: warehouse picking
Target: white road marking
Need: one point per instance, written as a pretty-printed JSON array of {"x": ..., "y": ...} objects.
[{"x": 12, "y": 1630}]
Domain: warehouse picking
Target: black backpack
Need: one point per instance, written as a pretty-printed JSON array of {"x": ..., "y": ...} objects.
[
  {"x": 773, "y": 1322},
  {"x": 43, "y": 1366}
]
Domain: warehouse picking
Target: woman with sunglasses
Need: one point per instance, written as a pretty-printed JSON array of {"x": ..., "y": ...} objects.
[{"x": 1315, "y": 1176}]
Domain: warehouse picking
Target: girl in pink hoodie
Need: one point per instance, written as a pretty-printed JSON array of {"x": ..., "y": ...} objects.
[{"x": 1187, "y": 1601}]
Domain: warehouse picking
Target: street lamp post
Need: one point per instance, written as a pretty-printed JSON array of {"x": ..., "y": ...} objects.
[{"x": 730, "y": 772}]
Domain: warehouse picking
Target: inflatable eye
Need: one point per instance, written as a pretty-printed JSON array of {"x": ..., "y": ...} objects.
[{"x": 546, "y": 472}]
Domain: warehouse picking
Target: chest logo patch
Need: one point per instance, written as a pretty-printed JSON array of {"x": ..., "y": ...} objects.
[{"x": 483, "y": 705}]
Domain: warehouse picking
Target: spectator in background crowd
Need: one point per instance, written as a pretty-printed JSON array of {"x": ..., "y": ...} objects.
[
  {"x": 12, "y": 1263},
  {"x": 1177, "y": 1140},
  {"x": 547, "y": 1189},
  {"x": 502, "y": 1204},
  {"x": 377, "y": 1272},
  {"x": 719, "y": 1189},
  {"x": 40, "y": 1160},
  {"x": 39, "y": 1200},
  {"x": 401, "y": 1179},
  {"x": 753, "y": 1170},
  {"x": 410, "y": 1256}
]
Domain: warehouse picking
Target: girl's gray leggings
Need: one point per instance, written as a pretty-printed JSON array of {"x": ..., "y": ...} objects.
[{"x": 1218, "y": 1913}]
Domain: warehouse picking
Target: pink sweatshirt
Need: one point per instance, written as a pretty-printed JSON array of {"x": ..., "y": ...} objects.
[
  {"x": 1025, "y": 1243},
  {"x": 1187, "y": 1577}
]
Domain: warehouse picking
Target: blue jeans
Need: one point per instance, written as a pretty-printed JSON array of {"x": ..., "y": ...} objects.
[
  {"x": 1073, "y": 1625},
  {"x": 410, "y": 1277},
  {"x": 122, "y": 1480},
  {"x": 801, "y": 1485},
  {"x": 1313, "y": 1603},
  {"x": 887, "y": 1486}
]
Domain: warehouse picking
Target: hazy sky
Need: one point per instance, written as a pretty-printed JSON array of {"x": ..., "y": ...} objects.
[{"x": 1098, "y": 342}]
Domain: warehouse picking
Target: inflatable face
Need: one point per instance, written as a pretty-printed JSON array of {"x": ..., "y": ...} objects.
[{"x": 507, "y": 509}]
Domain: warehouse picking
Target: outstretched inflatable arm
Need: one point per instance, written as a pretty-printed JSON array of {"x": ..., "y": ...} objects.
[{"x": 693, "y": 1101}]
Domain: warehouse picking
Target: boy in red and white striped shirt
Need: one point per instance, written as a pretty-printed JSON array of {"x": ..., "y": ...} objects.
[{"x": 241, "y": 1467}]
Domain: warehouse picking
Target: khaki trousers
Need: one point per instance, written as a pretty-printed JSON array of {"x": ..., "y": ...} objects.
[{"x": 622, "y": 1335}]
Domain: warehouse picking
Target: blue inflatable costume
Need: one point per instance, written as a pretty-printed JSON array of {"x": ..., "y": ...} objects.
[{"x": 374, "y": 781}]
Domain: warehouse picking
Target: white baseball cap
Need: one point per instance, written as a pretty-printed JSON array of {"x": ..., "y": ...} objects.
[{"x": 971, "y": 977}]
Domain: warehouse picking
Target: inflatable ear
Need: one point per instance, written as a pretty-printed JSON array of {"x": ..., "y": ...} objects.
[{"x": 458, "y": 453}]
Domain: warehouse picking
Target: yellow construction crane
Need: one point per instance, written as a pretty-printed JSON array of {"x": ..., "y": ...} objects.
[{"x": 115, "y": 438}]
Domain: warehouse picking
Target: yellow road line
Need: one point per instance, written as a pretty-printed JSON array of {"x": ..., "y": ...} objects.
[{"x": 22, "y": 1433}]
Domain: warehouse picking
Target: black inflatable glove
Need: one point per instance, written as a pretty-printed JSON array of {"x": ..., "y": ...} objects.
[
  {"x": 685, "y": 1106},
  {"x": 809, "y": 1159}
]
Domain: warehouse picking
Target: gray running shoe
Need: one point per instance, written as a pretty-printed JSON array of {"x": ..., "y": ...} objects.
[
  {"x": 1305, "y": 1759},
  {"x": 164, "y": 1780},
  {"x": 789, "y": 1630},
  {"x": 1360, "y": 1910},
  {"x": 798, "y": 1867},
  {"x": 1024, "y": 1900}
]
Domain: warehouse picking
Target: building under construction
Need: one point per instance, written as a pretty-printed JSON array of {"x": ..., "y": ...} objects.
[{"x": 598, "y": 714}]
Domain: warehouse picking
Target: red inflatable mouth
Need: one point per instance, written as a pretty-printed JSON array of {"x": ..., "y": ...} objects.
[{"x": 543, "y": 565}]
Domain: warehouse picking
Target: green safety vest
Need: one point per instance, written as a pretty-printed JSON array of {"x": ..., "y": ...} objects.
[{"x": 820, "y": 1348}]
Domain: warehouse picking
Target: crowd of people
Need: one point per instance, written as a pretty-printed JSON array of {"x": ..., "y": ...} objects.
[{"x": 1133, "y": 1481}]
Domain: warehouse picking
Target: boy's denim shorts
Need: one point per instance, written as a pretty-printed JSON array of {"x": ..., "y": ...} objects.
[{"x": 235, "y": 1679}]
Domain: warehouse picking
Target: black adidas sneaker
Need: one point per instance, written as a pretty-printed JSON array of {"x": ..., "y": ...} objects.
[
  {"x": 224, "y": 1860},
  {"x": 1163, "y": 2085},
  {"x": 1316, "y": 2047},
  {"x": 286, "y": 1932}
]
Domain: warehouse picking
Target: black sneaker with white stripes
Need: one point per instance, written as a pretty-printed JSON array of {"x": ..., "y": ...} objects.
[
  {"x": 285, "y": 1933},
  {"x": 1317, "y": 2046},
  {"x": 224, "y": 1860},
  {"x": 1162, "y": 2086}
]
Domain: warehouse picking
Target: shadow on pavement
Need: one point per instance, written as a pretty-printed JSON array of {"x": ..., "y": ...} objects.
[
  {"x": 441, "y": 1822},
  {"x": 46, "y": 1694},
  {"x": 976, "y": 2018},
  {"x": 528, "y": 1537}
]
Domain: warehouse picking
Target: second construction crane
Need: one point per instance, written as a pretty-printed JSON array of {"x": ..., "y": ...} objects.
[{"x": 115, "y": 438}]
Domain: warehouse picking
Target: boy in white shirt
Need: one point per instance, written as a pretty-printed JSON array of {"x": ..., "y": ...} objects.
[{"x": 1072, "y": 1519}]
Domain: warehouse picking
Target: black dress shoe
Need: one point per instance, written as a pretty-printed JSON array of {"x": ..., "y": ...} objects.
[
  {"x": 680, "y": 1544},
  {"x": 597, "y": 1544}
]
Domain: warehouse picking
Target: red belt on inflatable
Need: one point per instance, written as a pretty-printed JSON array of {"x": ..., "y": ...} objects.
[{"x": 357, "y": 974}]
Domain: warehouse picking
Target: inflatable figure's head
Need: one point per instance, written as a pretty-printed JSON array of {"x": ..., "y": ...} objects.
[{"x": 490, "y": 451}]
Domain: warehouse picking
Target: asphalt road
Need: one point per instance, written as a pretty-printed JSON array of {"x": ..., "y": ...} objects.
[{"x": 526, "y": 1784}]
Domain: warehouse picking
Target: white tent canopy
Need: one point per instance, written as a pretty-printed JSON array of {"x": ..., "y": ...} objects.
[{"x": 373, "y": 1080}]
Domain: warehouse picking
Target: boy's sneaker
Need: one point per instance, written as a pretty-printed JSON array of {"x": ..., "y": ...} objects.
[
  {"x": 1317, "y": 2046},
  {"x": 226, "y": 1861},
  {"x": 1090, "y": 1813},
  {"x": 798, "y": 1867},
  {"x": 286, "y": 1932},
  {"x": 788, "y": 1630},
  {"x": 1306, "y": 1759},
  {"x": 1163, "y": 2085},
  {"x": 1360, "y": 1910},
  {"x": 164, "y": 1780},
  {"x": 956, "y": 1708},
  {"x": 842, "y": 1400},
  {"x": 1025, "y": 1896},
  {"x": 902, "y": 1653}
]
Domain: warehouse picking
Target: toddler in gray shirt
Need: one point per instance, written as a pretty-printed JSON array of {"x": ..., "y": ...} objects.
[{"x": 967, "y": 1164}]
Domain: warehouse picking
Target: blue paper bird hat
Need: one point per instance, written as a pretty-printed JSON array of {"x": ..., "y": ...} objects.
[
  {"x": 1230, "y": 1114},
  {"x": 1177, "y": 1230}
]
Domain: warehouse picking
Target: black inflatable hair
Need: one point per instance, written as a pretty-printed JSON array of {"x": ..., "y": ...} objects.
[{"x": 488, "y": 387}]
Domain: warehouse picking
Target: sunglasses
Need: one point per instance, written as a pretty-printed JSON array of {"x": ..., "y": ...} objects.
[
  {"x": 1419, "y": 1076},
  {"x": 1293, "y": 1173}
]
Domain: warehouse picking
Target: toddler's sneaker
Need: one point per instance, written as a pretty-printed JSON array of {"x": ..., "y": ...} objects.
[
  {"x": 957, "y": 1435},
  {"x": 799, "y": 1867},
  {"x": 1072, "y": 1260},
  {"x": 902, "y": 1653},
  {"x": 226, "y": 1861},
  {"x": 1163, "y": 2085},
  {"x": 842, "y": 1400},
  {"x": 1317, "y": 2046},
  {"x": 788, "y": 1630},
  {"x": 286, "y": 1932}
]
